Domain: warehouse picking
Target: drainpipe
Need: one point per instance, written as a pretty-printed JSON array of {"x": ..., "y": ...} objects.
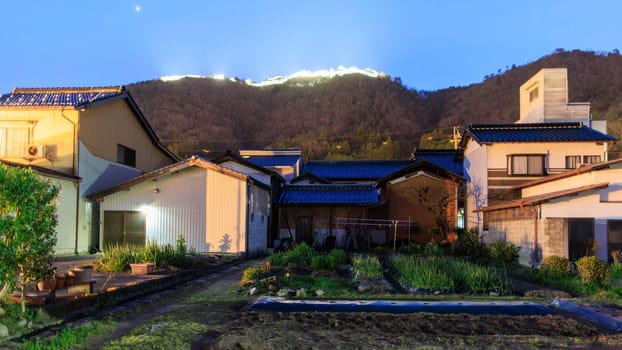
[
  {"x": 534, "y": 258},
  {"x": 75, "y": 170},
  {"x": 248, "y": 207}
]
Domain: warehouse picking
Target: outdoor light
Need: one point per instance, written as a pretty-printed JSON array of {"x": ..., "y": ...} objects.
[{"x": 157, "y": 190}]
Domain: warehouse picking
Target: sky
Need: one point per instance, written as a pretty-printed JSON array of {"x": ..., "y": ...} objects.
[{"x": 428, "y": 44}]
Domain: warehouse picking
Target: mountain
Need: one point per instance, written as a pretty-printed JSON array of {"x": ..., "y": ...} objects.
[{"x": 350, "y": 113}]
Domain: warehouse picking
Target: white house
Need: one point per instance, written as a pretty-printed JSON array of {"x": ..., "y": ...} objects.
[
  {"x": 564, "y": 214},
  {"x": 217, "y": 210}
]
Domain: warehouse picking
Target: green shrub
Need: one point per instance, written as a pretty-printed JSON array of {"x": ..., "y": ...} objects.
[
  {"x": 117, "y": 257},
  {"x": 318, "y": 262},
  {"x": 334, "y": 258},
  {"x": 251, "y": 273},
  {"x": 366, "y": 266},
  {"x": 557, "y": 265},
  {"x": 615, "y": 271},
  {"x": 301, "y": 254},
  {"x": 278, "y": 259},
  {"x": 433, "y": 249},
  {"x": 504, "y": 254},
  {"x": 447, "y": 274},
  {"x": 470, "y": 243},
  {"x": 592, "y": 270}
]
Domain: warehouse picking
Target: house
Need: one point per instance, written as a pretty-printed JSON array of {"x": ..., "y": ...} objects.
[
  {"x": 266, "y": 176},
  {"x": 357, "y": 204},
  {"x": 424, "y": 198},
  {"x": 215, "y": 209},
  {"x": 285, "y": 162},
  {"x": 552, "y": 136},
  {"x": 84, "y": 139},
  {"x": 352, "y": 171},
  {"x": 563, "y": 214},
  {"x": 321, "y": 214}
]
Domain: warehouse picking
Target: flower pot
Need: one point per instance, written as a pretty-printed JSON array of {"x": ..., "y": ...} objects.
[
  {"x": 60, "y": 281},
  {"x": 142, "y": 268},
  {"x": 70, "y": 280},
  {"x": 82, "y": 275},
  {"x": 47, "y": 284}
]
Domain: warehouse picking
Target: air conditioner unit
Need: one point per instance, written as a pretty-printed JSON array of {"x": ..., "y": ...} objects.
[{"x": 35, "y": 151}]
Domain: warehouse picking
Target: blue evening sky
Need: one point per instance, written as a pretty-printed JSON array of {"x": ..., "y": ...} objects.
[{"x": 429, "y": 44}]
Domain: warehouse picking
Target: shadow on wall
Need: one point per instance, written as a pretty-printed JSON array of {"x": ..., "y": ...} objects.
[
  {"x": 535, "y": 257},
  {"x": 225, "y": 243}
]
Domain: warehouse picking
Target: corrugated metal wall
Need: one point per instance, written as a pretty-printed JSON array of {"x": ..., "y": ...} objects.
[
  {"x": 176, "y": 208},
  {"x": 258, "y": 221},
  {"x": 226, "y": 207}
]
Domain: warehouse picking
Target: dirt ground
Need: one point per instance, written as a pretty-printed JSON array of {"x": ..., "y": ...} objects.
[
  {"x": 279, "y": 330},
  {"x": 210, "y": 314}
]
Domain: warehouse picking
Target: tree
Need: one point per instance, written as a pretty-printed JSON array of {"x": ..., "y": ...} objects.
[
  {"x": 438, "y": 201},
  {"x": 27, "y": 228}
]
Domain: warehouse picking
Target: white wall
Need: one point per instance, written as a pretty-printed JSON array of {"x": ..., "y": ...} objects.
[
  {"x": 226, "y": 213},
  {"x": 557, "y": 152},
  {"x": 256, "y": 174},
  {"x": 476, "y": 173},
  {"x": 258, "y": 221},
  {"x": 177, "y": 209},
  {"x": 66, "y": 214}
]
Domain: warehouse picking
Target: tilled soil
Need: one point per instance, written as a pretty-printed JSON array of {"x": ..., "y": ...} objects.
[{"x": 297, "y": 330}]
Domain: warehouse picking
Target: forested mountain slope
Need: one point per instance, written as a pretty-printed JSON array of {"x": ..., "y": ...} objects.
[{"x": 356, "y": 116}]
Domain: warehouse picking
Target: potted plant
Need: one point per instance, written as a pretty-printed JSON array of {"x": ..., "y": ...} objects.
[
  {"x": 82, "y": 274},
  {"x": 142, "y": 268}
]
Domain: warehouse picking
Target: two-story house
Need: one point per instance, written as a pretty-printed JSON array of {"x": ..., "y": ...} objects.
[
  {"x": 514, "y": 171},
  {"x": 84, "y": 139},
  {"x": 551, "y": 136}
]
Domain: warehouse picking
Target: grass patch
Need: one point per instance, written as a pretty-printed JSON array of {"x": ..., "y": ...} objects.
[
  {"x": 366, "y": 266},
  {"x": 160, "y": 334},
  {"x": 69, "y": 338},
  {"x": 449, "y": 275}
]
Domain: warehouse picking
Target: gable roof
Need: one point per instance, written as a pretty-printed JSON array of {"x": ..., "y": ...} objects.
[
  {"x": 78, "y": 97},
  {"x": 445, "y": 158},
  {"x": 229, "y": 156},
  {"x": 190, "y": 162},
  {"x": 311, "y": 178},
  {"x": 273, "y": 161},
  {"x": 58, "y": 97},
  {"x": 541, "y": 198},
  {"x": 533, "y": 132},
  {"x": 422, "y": 165},
  {"x": 329, "y": 195},
  {"x": 353, "y": 170},
  {"x": 569, "y": 173}
]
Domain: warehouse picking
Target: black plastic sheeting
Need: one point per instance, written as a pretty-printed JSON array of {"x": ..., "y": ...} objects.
[
  {"x": 601, "y": 319},
  {"x": 403, "y": 307}
]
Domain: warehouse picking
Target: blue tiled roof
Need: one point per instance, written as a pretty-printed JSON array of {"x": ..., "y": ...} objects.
[
  {"x": 329, "y": 194},
  {"x": 56, "y": 97},
  {"x": 444, "y": 158},
  {"x": 353, "y": 169},
  {"x": 270, "y": 161},
  {"x": 537, "y": 132}
]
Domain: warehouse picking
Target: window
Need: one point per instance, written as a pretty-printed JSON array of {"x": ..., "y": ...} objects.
[
  {"x": 591, "y": 159},
  {"x": 527, "y": 164},
  {"x": 573, "y": 162},
  {"x": 614, "y": 236},
  {"x": 126, "y": 155},
  {"x": 14, "y": 141},
  {"x": 533, "y": 94}
]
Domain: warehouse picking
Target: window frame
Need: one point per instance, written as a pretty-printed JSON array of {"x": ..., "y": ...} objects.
[
  {"x": 511, "y": 164},
  {"x": 126, "y": 155},
  {"x": 6, "y": 144},
  {"x": 575, "y": 161}
]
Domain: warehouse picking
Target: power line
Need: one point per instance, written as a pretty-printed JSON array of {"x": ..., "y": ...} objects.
[{"x": 298, "y": 138}]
